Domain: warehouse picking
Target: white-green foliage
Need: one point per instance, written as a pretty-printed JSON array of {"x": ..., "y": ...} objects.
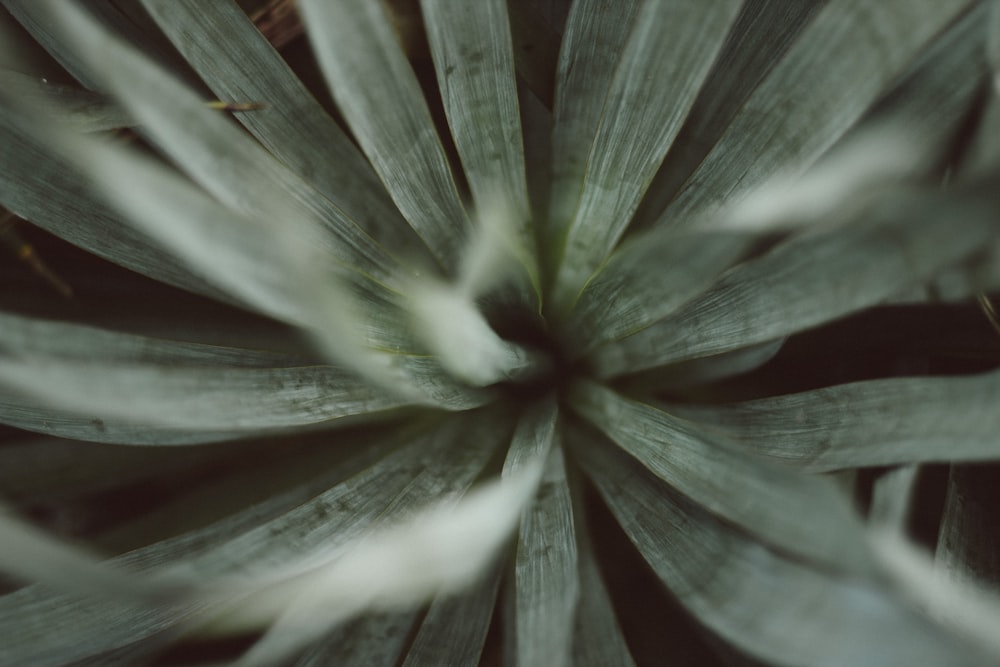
[{"x": 476, "y": 318}]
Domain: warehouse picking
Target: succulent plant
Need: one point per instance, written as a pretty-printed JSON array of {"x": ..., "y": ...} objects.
[{"x": 528, "y": 331}]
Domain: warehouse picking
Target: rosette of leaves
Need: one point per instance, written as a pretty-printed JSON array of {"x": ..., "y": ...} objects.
[{"x": 536, "y": 332}]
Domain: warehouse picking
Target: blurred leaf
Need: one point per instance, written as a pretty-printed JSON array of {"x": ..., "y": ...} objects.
[
  {"x": 218, "y": 40},
  {"x": 455, "y": 627},
  {"x": 839, "y": 64},
  {"x": 901, "y": 238},
  {"x": 80, "y": 109},
  {"x": 776, "y": 608},
  {"x": 762, "y": 33},
  {"x": 210, "y": 148},
  {"x": 287, "y": 530},
  {"x": 41, "y": 188}
]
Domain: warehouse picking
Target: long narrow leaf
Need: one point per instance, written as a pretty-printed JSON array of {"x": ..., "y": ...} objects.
[
  {"x": 219, "y": 40},
  {"x": 381, "y": 99},
  {"x": 227, "y": 162},
  {"x": 455, "y": 627},
  {"x": 833, "y": 73},
  {"x": 596, "y": 33},
  {"x": 845, "y": 426},
  {"x": 653, "y": 88},
  {"x": 777, "y": 609},
  {"x": 750, "y": 493},
  {"x": 898, "y": 239},
  {"x": 471, "y": 45}
]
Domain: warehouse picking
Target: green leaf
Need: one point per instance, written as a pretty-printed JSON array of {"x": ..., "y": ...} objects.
[
  {"x": 376, "y": 640},
  {"x": 733, "y": 485},
  {"x": 837, "y": 67},
  {"x": 545, "y": 578},
  {"x": 907, "y": 135},
  {"x": 873, "y": 423},
  {"x": 778, "y": 609},
  {"x": 30, "y": 336},
  {"x": 281, "y": 274},
  {"x": 455, "y": 627},
  {"x": 761, "y": 35},
  {"x": 691, "y": 374},
  {"x": 379, "y": 95},
  {"x": 547, "y": 585},
  {"x": 596, "y": 33},
  {"x": 221, "y": 43},
  {"x": 111, "y": 15},
  {"x": 32, "y": 555},
  {"x": 893, "y": 496},
  {"x": 40, "y": 187},
  {"x": 471, "y": 46},
  {"x": 646, "y": 279},
  {"x": 655, "y": 83},
  {"x": 597, "y": 636},
  {"x": 215, "y": 152},
  {"x": 80, "y": 109},
  {"x": 898, "y": 239},
  {"x": 436, "y": 552},
  {"x": 287, "y": 531},
  {"x": 153, "y": 404}
]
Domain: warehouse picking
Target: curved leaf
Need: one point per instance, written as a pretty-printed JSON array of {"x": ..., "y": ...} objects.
[
  {"x": 775, "y": 608},
  {"x": 752, "y": 494}
]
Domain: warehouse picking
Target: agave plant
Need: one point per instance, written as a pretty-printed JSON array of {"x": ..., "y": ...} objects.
[{"x": 559, "y": 333}]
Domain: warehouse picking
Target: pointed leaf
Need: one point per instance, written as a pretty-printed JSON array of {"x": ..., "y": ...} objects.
[
  {"x": 441, "y": 551},
  {"x": 286, "y": 532},
  {"x": 38, "y": 186},
  {"x": 648, "y": 278},
  {"x": 761, "y": 34},
  {"x": 155, "y": 404},
  {"x": 879, "y": 422}
]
